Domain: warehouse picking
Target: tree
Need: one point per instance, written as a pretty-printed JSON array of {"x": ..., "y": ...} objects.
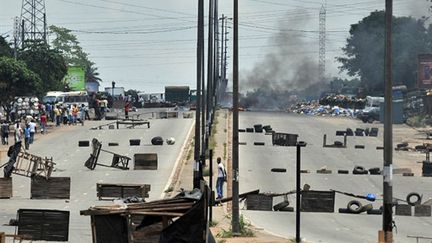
[
  {"x": 47, "y": 63},
  {"x": 16, "y": 80},
  {"x": 5, "y": 49},
  {"x": 364, "y": 51},
  {"x": 68, "y": 45}
]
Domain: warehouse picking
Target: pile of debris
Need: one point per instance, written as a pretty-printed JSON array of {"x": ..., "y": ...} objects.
[{"x": 334, "y": 105}]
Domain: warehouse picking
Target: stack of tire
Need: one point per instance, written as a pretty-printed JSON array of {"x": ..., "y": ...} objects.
[
  {"x": 267, "y": 128},
  {"x": 258, "y": 128},
  {"x": 356, "y": 207}
]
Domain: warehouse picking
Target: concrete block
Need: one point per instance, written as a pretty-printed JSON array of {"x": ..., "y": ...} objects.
[
  {"x": 422, "y": 210},
  {"x": 403, "y": 210},
  {"x": 83, "y": 143}
]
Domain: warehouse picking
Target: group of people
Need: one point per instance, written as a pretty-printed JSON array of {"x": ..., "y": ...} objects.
[
  {"x": 27, "y": 132},
  {"x": 70, "y": 115}
]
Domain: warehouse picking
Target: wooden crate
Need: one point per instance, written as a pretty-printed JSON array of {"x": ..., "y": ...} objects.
[
  {"x": 6, "y": 187},
  {"x": 109, "y": 191},
  {"x": 259, "y": 202},
  {"x": 318, "y": 201},
  {"x": 2, "y": 237},
  {"x": 146, "y": 161},
  {"x": 43, "y": 224},
  {"x": 403, "y": 210},
  {"x": 53, "y": 188}
]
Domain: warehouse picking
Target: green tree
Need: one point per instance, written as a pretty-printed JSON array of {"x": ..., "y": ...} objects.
[
  {"x": 47, "y": 63},
  {"x": 5, "y": 49},
  {"x": 16, "y": 80},
  {"x": 364, "y": 51},
  {"x": 69, "y": 46}
]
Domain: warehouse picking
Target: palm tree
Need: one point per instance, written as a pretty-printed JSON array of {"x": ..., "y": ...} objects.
[{"x": 91, "y": 74}]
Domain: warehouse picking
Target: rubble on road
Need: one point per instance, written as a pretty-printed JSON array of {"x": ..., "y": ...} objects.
[{"x": 335, "y": 105}]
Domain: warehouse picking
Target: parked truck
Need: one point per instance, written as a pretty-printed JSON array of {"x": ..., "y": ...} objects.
[{"x": 177, "y": 94}]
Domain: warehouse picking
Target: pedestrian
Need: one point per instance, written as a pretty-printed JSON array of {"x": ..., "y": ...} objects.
[
  {"x": 27, "y": 136},
  {"x": 126, "y": 109},
  {"x": 74, "y": 111},
  {"x": 32, "y": 125},
  {"x": 43, "y": 123},
  {"x": 220, "y": 179},
  {"x": 4, "y": 132},
  {"x": 57, "y": 114},
  {"x": 17, "y": 131}
]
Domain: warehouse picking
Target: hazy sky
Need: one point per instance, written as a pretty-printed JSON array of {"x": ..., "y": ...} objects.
[{"x": 146, "y": 45}]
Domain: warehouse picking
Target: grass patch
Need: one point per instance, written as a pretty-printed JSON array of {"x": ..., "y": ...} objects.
[
  {"x": 169, "y": 189},
  {"x": 245, "y": 230},
  {"x": 212, "y": 223}
]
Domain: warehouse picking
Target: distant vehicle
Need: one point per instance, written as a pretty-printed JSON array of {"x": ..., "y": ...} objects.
[
  {"x": 371, "y": 112},
  {"x": 76, "y": 97},
  {"x": 53, "y": 97},
  {"x": 177, "y": 94}
]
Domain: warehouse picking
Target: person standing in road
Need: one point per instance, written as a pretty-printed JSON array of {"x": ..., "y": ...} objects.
[
  {"x": 18, "y": 131},
  {"x": 57, "y": 114},
  {"x": 221, "y": 178},
  {"x": 27, "y": 136},
  {"x": 74, "y": 114},
  {"x": 32, "y": 126},
  {"x": 43, "y": 123},
  {"x": 4, "y": 132},
  {"x": 126, "y": 109}
]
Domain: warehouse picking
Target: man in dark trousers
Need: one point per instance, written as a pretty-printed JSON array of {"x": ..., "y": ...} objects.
[
  {"x": 221, "y": 178},
  {"x": 126, "y": 109}
]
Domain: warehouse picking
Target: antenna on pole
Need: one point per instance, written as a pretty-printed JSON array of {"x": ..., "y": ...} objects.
[{"x": 322, "y": 41}]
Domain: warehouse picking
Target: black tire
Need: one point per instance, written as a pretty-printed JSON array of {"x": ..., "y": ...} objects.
[
  {"x": 83, "y": 143},
  {"x": 157, "y": 141},
  {"x": 375, "y": 171},
  {"x": 344, "y": 210},
  {"x": 134, "y": 142},
  {"x": 407, "y": 174},
  {"x": 278, "y": 170},
  {"x": 286, "y": 209},
  {"x": 280, "y": 205},
  {"x": 366, "y": 131},
  {"x": 420, "y": 147},
  {"x": 249, "y": 130},
  {"x": 338, "y": 144},
  {"x": 113, "y": 144},
  {"x": 343, "y": 172},
  {"x": 402, "y": 145},
  {"x": 359, "y": 170},
  {"x": 416, "y": 202},
  {"x": 379, "y": 147},
  {"x": 357, "y": 206},
  {"x": 374, "y": 212},
  {"x": 370, "y": 120},
  {"x": 242, "y": 130},
  {"x": 259, "y": 143},
  {"x": 349, "y": 132},
  {"x": 359, "y": 146},
  {"x": 340, "y": 133}
]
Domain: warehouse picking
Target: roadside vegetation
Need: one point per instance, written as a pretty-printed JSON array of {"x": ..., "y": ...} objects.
[
  {"x": 245, "y": 230},
  {"x": 419, "y": 121}
]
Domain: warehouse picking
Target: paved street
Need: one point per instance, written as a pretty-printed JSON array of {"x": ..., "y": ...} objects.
[
  {"x": 257, "y": 161},
  {"x": 62, "y": 145}
]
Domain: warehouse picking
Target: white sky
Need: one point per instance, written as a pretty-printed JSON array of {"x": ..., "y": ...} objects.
[{"x": 149, "y": 61}]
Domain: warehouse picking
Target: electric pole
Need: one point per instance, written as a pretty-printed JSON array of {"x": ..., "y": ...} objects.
[
  {"x": 210, "y": 68},
  {"x": 235, "y": 148},
  {"x": 387, "y": 227},
  {"x": 322, "y": 42},
  {"x": 33, "y": 22},
  {"x": 200, "y": 46}
]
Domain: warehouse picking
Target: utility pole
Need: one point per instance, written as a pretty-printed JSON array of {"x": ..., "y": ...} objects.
[
  {"x": 387, "y": 227},
  {"x": 322, "y": 42},
  {"x": 215, "y": 56},
  {"x": 16, "y": 36},
  {"x": 210, "y": 68},
  {"x": 33, "y": 19},
  {"x": 222, "y": 57},
  {"x": 235, "y": 146},
  {"x": 200, "y": 43}
]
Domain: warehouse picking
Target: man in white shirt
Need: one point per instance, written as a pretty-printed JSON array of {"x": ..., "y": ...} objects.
[
  {"x": 220, "y": 179},
  {"x": 32, "y": 126}
]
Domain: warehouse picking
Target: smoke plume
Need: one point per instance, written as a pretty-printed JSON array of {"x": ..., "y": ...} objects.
[{"x": 289, "y": 69}]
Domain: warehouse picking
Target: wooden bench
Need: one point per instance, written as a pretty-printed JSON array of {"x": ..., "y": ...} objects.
[
  {"x": 118, "y": 161},
  {"x": 110, "y": 191}
]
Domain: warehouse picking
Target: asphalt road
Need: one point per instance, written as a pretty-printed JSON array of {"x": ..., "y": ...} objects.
[
  {"x": 257, "y": 161},
  {"x": 62, "y": 145}
]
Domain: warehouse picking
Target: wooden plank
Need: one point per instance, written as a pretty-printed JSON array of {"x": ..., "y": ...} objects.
[
  {"x": 6, "y": 187},
  {"x": 2, "y": 237},
  {"x": 40, "y": 224},
  {"x": 158, "y": 214},
  {"x": 146, "y": 161},
  {"x": 259, "y": 202},
  {"x": 227, "y": 199},
  {"x": 53, "y": 188},
  {"x": 317, "y": 201},
  {"x": 105, "y": 191}
]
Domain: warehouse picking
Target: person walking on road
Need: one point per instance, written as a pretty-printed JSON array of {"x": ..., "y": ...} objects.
[
  {"x": 4, "y": 132},
  {"x": 43, "y": 123},
  {"x": 126, "y": 109},
  {"x": 18, "y": 131},
  {"x": 32, "y": 126},
  {"x": 27, "y": 136},
  {"x": 221, "y": 178}
]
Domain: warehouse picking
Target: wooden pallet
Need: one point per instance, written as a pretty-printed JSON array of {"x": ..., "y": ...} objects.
[
  {"x": 109, "y": 191},
  {"x": 6, "y": 187},
  {"x": 146, "y": 161},
  {"x": 53, "y": 188}
]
